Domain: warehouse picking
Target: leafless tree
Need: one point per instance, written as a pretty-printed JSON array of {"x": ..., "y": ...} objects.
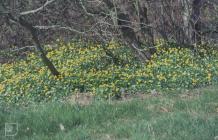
[
  {"x": 19, "y": 19},
  {"x": 136, "y": 23}
]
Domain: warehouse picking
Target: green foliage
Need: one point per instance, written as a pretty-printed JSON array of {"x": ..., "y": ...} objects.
[
  {"x": 166, "y": 117},
  {"x": 88, "y": 68}
]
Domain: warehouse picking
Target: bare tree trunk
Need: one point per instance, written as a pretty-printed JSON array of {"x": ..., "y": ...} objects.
[
  {"x": 128, "y": 33},
  {"x": 144, "y": 22},
  {"x": 196, "y": 20},
  {"x": 186, "y": 24},
  {"x": 33, "y": 32}
]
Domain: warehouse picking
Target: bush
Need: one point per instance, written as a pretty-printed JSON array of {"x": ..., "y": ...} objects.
[{"x": 88, "y": 68}]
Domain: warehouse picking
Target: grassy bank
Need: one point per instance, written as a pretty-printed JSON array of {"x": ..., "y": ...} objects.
[{"x": 188, "y": 116}]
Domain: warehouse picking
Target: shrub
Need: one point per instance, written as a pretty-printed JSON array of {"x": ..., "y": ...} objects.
[{"x": 88, "y": 68}]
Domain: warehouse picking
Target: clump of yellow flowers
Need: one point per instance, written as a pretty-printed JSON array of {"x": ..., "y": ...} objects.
[{"x": 86, "y": 67}]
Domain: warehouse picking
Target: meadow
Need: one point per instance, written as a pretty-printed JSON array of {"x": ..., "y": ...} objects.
[
  {"x": 108, "y": 70},
  {"x": 189, "y": 115},
  {"x": 104, "y": 93}
]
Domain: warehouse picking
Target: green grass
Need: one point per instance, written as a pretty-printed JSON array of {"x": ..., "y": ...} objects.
[{"x": 192, "y": 116}]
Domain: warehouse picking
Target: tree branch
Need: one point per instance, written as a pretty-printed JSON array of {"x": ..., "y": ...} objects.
[{"x": 38, "y": 9}]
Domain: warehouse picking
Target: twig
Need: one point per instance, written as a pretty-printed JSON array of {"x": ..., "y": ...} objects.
[{"x": 38, "y": 9}]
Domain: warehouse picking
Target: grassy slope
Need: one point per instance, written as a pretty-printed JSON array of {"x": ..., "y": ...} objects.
[{"x": 167, "y": 117}]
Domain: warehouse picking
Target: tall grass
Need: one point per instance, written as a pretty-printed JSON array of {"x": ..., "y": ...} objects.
[{"x": 191, "y": 116}]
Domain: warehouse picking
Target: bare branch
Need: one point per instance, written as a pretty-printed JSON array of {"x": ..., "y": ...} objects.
[{"x": 38, "y": 9}]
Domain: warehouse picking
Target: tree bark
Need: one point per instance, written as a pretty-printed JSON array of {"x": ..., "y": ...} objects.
[
  {"x": 186, "y": 24},
  {"x": 130, "y": 37},
  {"x": 33, "y": 32},
  {"x": 144, "y": 21},
  {"x": 196, "y": 20},
  {"x": 128, "y": 34}
]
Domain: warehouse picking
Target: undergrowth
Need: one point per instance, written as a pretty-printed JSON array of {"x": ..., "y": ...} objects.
[{"x": 105, "y": 71}]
